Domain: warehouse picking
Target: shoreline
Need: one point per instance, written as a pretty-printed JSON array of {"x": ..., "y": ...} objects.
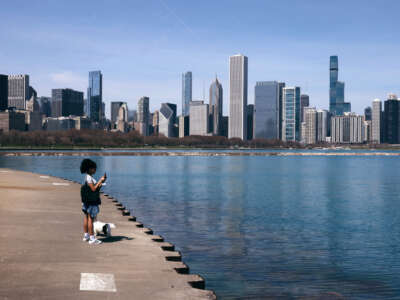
[
  {"x": 193, "y": 153},
  {"x": 37, "y": 206},
  {"x": 347, "y": 147}
]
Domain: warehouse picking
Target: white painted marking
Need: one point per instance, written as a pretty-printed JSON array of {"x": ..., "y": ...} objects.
[
  {"x": 44, "y": 177},
  {"x": 98, "y": 282},
  {"x": 4, "y": 171},
  {"x": 60, "y": 183}
]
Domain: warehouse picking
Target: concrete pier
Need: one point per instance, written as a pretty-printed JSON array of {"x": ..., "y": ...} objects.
[{"x": 42, "y": 255}]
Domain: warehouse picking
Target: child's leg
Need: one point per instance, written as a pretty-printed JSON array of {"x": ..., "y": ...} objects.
[
  {"x": 90, "y": 224},
  {"x": 85, "y": 224}
]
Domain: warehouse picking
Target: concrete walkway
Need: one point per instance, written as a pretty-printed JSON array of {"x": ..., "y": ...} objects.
[{"x": 42, "y": 255}]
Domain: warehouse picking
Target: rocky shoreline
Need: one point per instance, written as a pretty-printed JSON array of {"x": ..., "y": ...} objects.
[{"x": 193, "y": 153}]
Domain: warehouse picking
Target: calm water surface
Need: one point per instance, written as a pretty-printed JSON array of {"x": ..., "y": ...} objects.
[{"x": 254, "y": 227}]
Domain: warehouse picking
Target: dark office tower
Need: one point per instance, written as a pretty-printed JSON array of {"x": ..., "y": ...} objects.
[
  {"x": 186, "y": 92},
  {"x": 391, "y": 120},
  {"x": 215, "y": 107},
  {"x": 337, "y": 106},
  {"x": 3, "y": 92},
  {"x": 95, "y": 96},
  {"x": 143, "y": 113},
  {"x": 45, "y": 106},
  {"x": 304, "y": 102},
  {"x": 266, "y": 112},
  {"x": 368, "y": 113},
  {"x": 281, "y": 86},
  {"x": 66, "y": 102},
  {"x": 250, "y": 121}
]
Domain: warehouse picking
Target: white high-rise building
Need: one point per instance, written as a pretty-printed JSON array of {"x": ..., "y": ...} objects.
[
  {"x": 198, "y": 118},
  {"x": 348, "y": 128},
  {"x": 238, "y": 96},
  {"x": 18, "y": 91},
  {"x": 357, "y": 130},
  {"x": 310, "y": 128},
  {"x": 376, "y": 121},
  {"x": 166, "y": 119}
]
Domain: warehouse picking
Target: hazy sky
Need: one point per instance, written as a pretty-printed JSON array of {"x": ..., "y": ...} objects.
[{"x": 142, "y": 47}]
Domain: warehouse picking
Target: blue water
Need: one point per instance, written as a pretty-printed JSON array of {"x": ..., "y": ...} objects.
[{"x": 264, "y": 227}]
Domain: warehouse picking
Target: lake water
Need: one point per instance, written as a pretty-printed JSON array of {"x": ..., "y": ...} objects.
[{"x": 263, "y": 227}]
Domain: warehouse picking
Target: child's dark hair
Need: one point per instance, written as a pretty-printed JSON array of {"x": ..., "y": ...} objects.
[{"x": 87, "y": 164}]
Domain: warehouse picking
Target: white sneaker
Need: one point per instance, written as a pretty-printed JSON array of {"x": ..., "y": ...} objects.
[
  {"x": 108, "y": 230},
  {"x": 85, "y": 239},
  {"x": 95, "y": 242}
]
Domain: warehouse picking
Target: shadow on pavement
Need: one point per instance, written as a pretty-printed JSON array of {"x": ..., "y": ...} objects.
[{"x": 116, "y": 238}]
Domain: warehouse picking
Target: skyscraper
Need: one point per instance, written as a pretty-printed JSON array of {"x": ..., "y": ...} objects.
[
  {"x": 3, "y": 92},
  {"x": 166, "y": 119},
  {"x": 250, "y": 121},
  {"x": 348, "y": 128},
  {"x": 115, "y": 105},
  {"x": 198, "y": 118},
  {"x": 337, "y": 106},
  {"x": 309, "y": 136},
  {"x": 143, "y": 115},
  {"x": 368, "y": 113},
  {"x": 304, "y": 102},
  {"x": 45, "y": 106},
  {"x": 266, "y": 112},
  {"x": 291, "y": 114},
  {"x": 322, "y": 125},
  {"x": 186, "y": 92},
  {"x": 216, "y": 103},
  {"x": 391, "y": 120},
  {"x": 281, "y": 86},
  {"x": 18, "y": 91},
  {"x": 95, "y": 95},
  {"x": 238, "y": 97},
  {"x": 376, "y": 121},
  {"x": 66, "y": 102}
]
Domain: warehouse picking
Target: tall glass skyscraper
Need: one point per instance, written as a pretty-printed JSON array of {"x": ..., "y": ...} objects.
[
  {"x": 215, "y": 108},
  {"x": 95, "y": 96},
  {"x": 186, "y": 92},
  {"x": 266, "y": 113},
  {"x": 291, "y": 114},
  {"x": 337, "y": 106}
]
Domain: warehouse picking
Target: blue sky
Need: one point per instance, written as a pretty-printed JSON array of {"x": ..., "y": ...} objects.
[{"x": 142, "y": 47}]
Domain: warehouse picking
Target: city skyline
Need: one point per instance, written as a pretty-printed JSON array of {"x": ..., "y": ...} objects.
[{"x": 62, "y": 53}]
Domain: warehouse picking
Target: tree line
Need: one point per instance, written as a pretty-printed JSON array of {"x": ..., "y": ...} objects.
[{"x": 99, "y": 138}]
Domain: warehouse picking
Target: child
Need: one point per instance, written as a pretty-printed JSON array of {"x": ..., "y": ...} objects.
[{"x": 91, "y": 200}]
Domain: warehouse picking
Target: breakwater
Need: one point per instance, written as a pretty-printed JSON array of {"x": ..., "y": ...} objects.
[
  {"x": 44, "y": 214},
  {"x": 192, "y": 153}
]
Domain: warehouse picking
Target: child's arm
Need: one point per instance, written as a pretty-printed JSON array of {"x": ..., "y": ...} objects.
[{"x": 95, "y": 187}]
